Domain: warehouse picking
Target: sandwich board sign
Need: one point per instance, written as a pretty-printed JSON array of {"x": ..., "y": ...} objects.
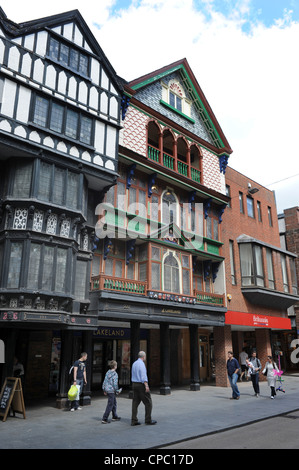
[{"x": 11, "y": 396}]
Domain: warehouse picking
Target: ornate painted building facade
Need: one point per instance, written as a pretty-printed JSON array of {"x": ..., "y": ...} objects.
[
  {"x": 158, "y": 269},
  {"x": 59, "y": 127}
]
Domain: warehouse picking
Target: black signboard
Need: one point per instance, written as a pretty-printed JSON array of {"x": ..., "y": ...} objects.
[{"x": 12, "y": 397}]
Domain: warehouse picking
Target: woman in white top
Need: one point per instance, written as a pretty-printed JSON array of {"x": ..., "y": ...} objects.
[{"x": 270, "y": 367}]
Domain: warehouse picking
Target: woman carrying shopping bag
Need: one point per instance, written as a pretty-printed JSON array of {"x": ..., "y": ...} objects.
[{"x": 269, "y": 369}]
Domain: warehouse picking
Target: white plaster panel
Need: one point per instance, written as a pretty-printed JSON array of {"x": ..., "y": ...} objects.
[
  {"x": 99, "y": 136},
  {"x": 13, "y": 58},
  {"x": 23, "y": 104},
  {"x": 26, "y": 65},
  {"x": 8, "y": 98},
  {"x": 95, "y": 71},
  {"x": 38, "y": 71},
  {"x": 111, "y": 142},
  {"x": 41, "y": 43},
  {"x": 29, "y": 42},
  {"x": 51, "y": 77}
]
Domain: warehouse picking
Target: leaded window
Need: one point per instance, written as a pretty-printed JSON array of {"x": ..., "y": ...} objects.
[
  {"x": 171, "y": 273},
  {"x": 14, "y": 268},
  {"x": 62, "y": 119},
  {"x": 68, "y": 56}
]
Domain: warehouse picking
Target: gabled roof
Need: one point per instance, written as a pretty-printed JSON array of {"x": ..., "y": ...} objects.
[
  {"x": 190, "y": 82},
  {"x": 14, "y": 30}
]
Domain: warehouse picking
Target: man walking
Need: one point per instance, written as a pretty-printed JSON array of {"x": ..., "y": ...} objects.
[
  {"x": 79, "y": 378},
  {"x": 233, "y": 368},
  {"x": 141, "y": 391}
]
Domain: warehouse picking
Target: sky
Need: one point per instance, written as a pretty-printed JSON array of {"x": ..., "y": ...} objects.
[{"x": 244, "y": 54}]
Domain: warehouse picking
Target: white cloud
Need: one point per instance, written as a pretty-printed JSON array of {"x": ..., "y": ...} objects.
[{"x": 250, "y": 79}]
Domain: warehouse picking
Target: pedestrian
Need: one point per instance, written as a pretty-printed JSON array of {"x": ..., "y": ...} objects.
[
  {"x": 110, "y": 387},
  {"x": 141, "y": 391},
  {"x": 233, "y": 368},
  {"x": 79, "y": 378},
  {"x": 255, "y": 373},
  {"x": 242, "y": 360},
  {"x": 269, "y": 369}
]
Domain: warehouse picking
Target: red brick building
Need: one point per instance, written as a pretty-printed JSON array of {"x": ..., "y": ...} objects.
[
  {"x": 289, "y": 238},
  {"x": 259, "y": 281}
]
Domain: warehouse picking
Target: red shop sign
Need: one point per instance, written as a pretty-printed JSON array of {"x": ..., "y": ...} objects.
[{"x": 257, "y": 320}]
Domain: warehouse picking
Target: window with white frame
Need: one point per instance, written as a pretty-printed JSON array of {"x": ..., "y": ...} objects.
[{"x": 173, "y": 94}]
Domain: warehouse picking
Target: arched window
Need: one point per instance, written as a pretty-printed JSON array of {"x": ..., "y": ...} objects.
[
  {"x": 172, "y": 273},
  {"x": 182, "y": 149},
  {"x": 169, "y": 207},
  {"x": 153, "y": 134},
  {"x": 195, "y": 159},
  {"x": 168, "y": 149}
]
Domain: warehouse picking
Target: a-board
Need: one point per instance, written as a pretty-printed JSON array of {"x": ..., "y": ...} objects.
[{"x": 12, "y": 397}]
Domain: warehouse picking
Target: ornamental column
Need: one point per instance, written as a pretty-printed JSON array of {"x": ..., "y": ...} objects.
[
  {"x": 164, "y": 359},
  {"x": 194, "y": 358}
]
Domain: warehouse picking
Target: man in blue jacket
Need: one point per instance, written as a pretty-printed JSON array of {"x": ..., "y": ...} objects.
[{"x": 233, "y": 368}]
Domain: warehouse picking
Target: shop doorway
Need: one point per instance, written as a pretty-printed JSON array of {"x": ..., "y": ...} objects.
[
  {"x": 102, "y": 353},
  {"x": 203, "y": 357}
]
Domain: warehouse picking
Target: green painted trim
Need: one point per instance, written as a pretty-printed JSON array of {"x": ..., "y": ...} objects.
[
  {"x": 175, "y": 131},
  {"x": 177, "y": 111},
  {"x": 174, "y": 179},
  {"x": 156, "y": 77},
  {"x": 194, "y": 94}
]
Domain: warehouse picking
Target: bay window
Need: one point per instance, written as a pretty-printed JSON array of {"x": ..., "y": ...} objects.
[{"x": 252, "y": 271}]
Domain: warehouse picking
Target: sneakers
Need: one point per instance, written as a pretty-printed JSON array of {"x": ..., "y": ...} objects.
[
  {"x": 105, "y": 421},
  {"x": 116, "y": 418}
]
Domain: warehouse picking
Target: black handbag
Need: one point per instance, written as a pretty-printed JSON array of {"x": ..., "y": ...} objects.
[{"x": 266, "y": 371}]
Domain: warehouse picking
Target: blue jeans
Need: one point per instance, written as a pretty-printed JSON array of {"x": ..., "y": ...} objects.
[
  {"x": 111, "y": 406},
  {"x": 80, "y": 383},
  {"x": 233, "y": 383}
]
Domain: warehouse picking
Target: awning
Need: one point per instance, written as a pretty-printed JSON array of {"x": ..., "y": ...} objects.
[{"x": 257, "y": 320}]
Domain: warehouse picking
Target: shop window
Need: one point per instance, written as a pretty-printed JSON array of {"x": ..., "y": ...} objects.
[
  {"x": 14, "y": 268},
  {"x": 60, "y": 186},
  {"x": 169, "y": 207},
  {"x": 241, "y": 203},
  {"x": 172, "y": 269},
  {"x": 259, "y": 211},
  {"x": 270, "y": 216},
  {"x": 232, "y": 263},
  {"x": 173, "y": 95},
  {"x": 68, "y": 56},
  {"x": 284, "y": 273},
  {"x": 252, "y": 271},
  {"x": 250, "y": 206},
  {"x": 270, "y": 269},
  {"x": 22, "y": 180},
  {"x": 293, "y": 276},
  {"x": 62, "y": 119},
  {"x": 80, "y": 281}
]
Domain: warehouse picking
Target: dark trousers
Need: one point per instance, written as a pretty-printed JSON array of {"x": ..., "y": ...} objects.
[
  {"x": 139, "y": 394},
  {"x": 255, "y": 382},
  {"x": 111, "y": 406}
]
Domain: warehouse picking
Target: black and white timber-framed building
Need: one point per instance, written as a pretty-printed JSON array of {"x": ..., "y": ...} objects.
[{"x": 59, "y": 126}]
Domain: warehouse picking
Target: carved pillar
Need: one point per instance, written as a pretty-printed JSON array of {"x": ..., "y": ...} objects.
[
  {"x": 65, "y": 365},
  {"x": 164, "y": 359},
  {"x": 194, "y": 358}
]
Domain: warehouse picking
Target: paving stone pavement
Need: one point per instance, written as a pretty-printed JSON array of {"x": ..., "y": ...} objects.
[{"x": 182, "y": 415}]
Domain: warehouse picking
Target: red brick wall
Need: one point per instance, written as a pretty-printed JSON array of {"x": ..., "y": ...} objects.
[
  {"x": 236, "y": 224},
  {"x": 222, "y": 344}
]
